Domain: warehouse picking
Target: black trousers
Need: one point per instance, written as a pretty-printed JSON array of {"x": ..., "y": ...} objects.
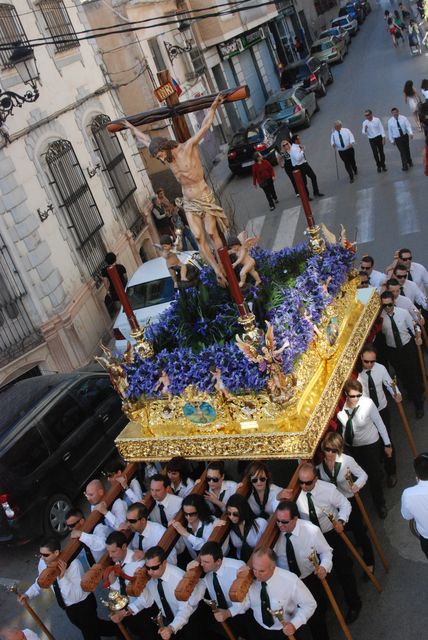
[
  {"x": 83, "y": 615},
  {"x": 342, "y": 567},
  {"x": 237, "y": 624},
  {"x": 402, "y": 144},
  {"x": 424, "y": 545},
  {"x": 369, "y": 457},
  {"x": 288, "y": 168},
  {"x": 348, "y": 158},
  {"x": 358, "y": 528},
  {"x": 317, "y": 623},
  {"x": 255, "y": 631},
  {"x": 307, "y": 172},
  {"x": 141, "y": 624},
  {"x": 406, "y": 364},
  {"x": 270, "y": 193},
  {"x": 378, "y": 151},
  {"x": 390, "y": 464}
]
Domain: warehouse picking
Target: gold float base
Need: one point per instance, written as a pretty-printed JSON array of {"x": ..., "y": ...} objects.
[{"x": 266, "y": 430}]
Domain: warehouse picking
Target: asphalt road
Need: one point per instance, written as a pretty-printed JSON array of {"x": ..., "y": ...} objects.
[{"x": 388, "y": 210}]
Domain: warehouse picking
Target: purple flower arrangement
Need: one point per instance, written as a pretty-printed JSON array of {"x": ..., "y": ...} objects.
[{"x": 196, "y": 334}]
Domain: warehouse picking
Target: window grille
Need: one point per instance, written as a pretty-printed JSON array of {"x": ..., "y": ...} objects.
[
  {"x": 11, "y": 32},
  {"x": 73, "y": 190},
  {"x": 59, "y": 24}
]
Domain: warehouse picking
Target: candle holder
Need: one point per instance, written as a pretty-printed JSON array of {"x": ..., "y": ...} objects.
[
  {"x": 316, "y": 243},
  {"x": 278, "y": 614},
  {"x": 212, "y": 604},
  {"x": 143, "y": 347},
  {"x": 158, "y": 620},
  {"x": 116, "y": 601},
  {"x": 251, "y": 333}
]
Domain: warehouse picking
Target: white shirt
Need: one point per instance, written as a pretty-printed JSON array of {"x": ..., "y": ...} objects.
[
  {"x": 404, "y": 323},
  {"x": 377, "y": 278},
  {"x": 367, "y": 423},
  {"x": 134, "y": 492},
  {"x": 347, "y": 137},
  {"x": 183, "y": 490},
  {"x": 393, "y": 131},
  {"x": 305, "y": 538},
  {"x": 181, "y": 610},
  {"x": 193, "y": 542},
  {"x": 414, "y": 505},
  {"x": 297, "y": 156},
  {"x": 346, "y": 463},
  {"x": 325, "y": 496},
  {"x": 403, "y": 302},
  {"x": 116, "y": 515},
  {"x": 69, "y": 584},
  {"x": 153, "y": 532},
  {"x": 425, "y": 93},
  {"x": 252, "y": 538},
  {"x": 287, "y": 592},
  {"x": 381, "y": 378},
  {"x": 30, "y": 635},
  {"x": 228, "y": 488},
  {"x": 414, "y": 293},
  {"x": 419, "y": 276},
  {"x": 130, "y": 567},
  {"x": 96, "y": 541},
  {"x": 226, "y": 575},
  {"x": 373, "y": 128},
  {"x": 172, "y": 505},
  {"x": 268, "y": 507}
]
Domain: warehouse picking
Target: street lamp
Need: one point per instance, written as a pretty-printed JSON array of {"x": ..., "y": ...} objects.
[
  {"x": 174, "y": 50},
  {"x": 23, "y": 60}
]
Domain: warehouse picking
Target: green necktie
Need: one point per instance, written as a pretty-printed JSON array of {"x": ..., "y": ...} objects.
[
  {"x": 372, "y": 388},
  {"x": 267, "y": 617},
  {"x": 291, "y": 555},
  {"x": 349, "y": 427},
  {"x": 312, "y": 512},
  {"x": 219, "y": 595},
  {"x": 332, "y": 476}
]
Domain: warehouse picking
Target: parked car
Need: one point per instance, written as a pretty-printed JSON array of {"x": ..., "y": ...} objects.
[
  {"x": 354, "y": 10},
  {"x": 256, "y": 137},
  {"x": 338, "y": 32},
  {"x": 56, "y": 431},
  {"x": 348, "y": 23},
  {"x": 311, "y": 74},
  {"x": 329, "y": 49},
  {"x": 366, "y": 6},
  {"x": 294, "y": 107}
]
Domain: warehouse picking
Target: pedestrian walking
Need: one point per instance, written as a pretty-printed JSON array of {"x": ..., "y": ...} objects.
[
  {"x": 414, "y": 37},
  {"x": 284, "y": 160},
  {"x": 298, "y": 160},
  {"x": 395, "y": 31},
  {"x": 411, "y": 97},
  {"x": 264, "y": 175},
  {"x": 343, "y": 140},
  {"x": 414, "y": 501},
  {"x": 373, "y": 129},
  {"x": 424, "y": 89},
  {"x": 399, "y": 133}
]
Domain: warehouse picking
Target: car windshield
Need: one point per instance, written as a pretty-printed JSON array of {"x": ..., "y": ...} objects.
[
  {"x": 270, "y": 126},
  {"x": 239, "y": 138},
  {"x": 253, "y": 135},
  {"x": 148, "y": 294},
  {"x": 322, "y": 46},
  {"x": 328, "y": 33},
  {"x": 343, "y": 22},
  {"x": 276, "y": 107}
]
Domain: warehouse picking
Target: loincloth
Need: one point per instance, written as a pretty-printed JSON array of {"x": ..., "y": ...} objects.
[{"x": 207, "y": 206}]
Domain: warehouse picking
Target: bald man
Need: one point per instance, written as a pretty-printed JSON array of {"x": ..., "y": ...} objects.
[
  {"x": 95, "y": 495},
  {"x": 9, "y": 633}
]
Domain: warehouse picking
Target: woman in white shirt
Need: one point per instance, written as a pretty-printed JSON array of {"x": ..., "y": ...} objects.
[
  {"x": 178, "y": 473},
  {"x": 263, "y": 491},
  {"x": 199, "y": 520},
  {"x": 245, "y": 528},
  {"x": 363, "y": 430},
  {"x": 335, "y": 468}
]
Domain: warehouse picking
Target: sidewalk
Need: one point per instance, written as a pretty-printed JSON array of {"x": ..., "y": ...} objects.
[{"x": 220, "y": 174}]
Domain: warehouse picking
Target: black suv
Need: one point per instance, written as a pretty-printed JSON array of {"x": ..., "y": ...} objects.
[
  {"x": 312, "y": 74},
  {"x": 56, "y": 431},
  {"x": 260, "y": 137}
]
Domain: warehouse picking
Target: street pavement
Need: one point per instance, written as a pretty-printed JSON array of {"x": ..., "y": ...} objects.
[{"x": 385, "y": 211}]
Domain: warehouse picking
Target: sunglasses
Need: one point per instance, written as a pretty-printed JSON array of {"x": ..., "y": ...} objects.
[
  {"x": 283, "y": 521},
  {"x": 44, "y": 555},
  {"x": 402, "y": 277},
  {"x": 212, "y": 479},
  {"x": 369, "y": 361},
  {"x": 355, "y": 395},
  {"x": 388, "y": 305},
  {"x": 72, "y": 524},
  {"x": 190, "y": 514},
  {"x": 307, "y": 482},
  {"x": 153, "y": 567},
  {"x": 407, "y": 259},
  {"x": 233, "y": 514},
  {"x": 331, "y": 450},
  {"x": 258, "y": 479},
  {"x": 132, "y": 520},
  {"x": 364, "y": 268}
]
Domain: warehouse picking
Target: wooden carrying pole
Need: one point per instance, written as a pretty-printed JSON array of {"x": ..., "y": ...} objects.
[
  {"x": 365, "y": 516},
  {"x": 359, "y": 559},
  {"x": 38, "y": 621},
  {"x": 404, "y": 420},
  {"x": 49, "y": 575},
  {"x": 423, "y": 371},
  {"x": 214, "y": 608}
]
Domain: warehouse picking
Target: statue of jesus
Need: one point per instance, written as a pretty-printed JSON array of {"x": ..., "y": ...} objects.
[{"x": 204, "y": 215}]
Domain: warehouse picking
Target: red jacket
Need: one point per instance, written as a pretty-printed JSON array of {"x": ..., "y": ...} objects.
[{"x": 262, "y": 171}]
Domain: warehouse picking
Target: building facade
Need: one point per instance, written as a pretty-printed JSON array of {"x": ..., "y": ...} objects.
[{"x": 69, "y": 192}]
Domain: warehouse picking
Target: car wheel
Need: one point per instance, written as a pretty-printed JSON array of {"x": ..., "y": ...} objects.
[
  {"x": 317, "y": 107},
  {"x": 307, "y": 121},
  {"x": 55, "y": 514},
  {"x": 341, "y": 59},
  {"x": 330, "y": 78},
  {"x": 323, "y": 90}
]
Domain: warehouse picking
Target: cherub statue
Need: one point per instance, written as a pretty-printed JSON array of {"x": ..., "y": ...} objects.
[
  {"x": 219, "y": 385},
  {"x": 241, "y": 246},
  {"x": 168, "y": 251},
  {"x": 163, "y": 383},
  {"x": 114, "y": 366},
  {"x": 343, "y": 240}
]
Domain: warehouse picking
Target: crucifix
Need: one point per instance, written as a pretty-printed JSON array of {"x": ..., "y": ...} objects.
[{"x": 204, "y": 215}]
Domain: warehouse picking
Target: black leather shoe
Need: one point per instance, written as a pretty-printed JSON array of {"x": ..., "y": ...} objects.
[
  {"x": 379, "y": 169},
  {"x": 391, "y": 481},
  {"x": 384, "y": 169},
  {"x": 356, "y": 171},
  {"x": 382, "y": 512},
  {"x": 318, "y": 195},
  {"x": 352, "y": 615},
  {"x": 351, "y": 180},
  {"x": 410, "y": 164},
  {"x": 420, "y": 413}
]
